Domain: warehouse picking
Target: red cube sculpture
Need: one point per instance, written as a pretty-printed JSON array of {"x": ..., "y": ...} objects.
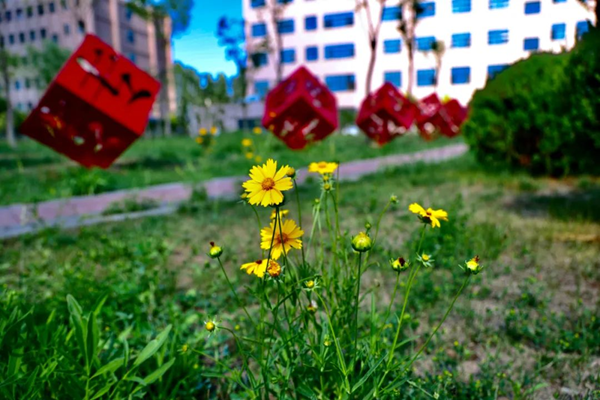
[
  {"x": 386, "y": 114},
  {"x": 428, "y": 118},
  {"x": 300, "y": 110},
  {"x": 95, "y": 108},
  {"x": 453, "y": 114}
]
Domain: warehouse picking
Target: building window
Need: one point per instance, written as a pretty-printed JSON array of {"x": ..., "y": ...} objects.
[
  {"x": 132, "y": 57},
  {"x": 498, "y": 36},
  {"x": 461, "y": 75},
  {"x": 285, "y": 26},
  {"x": 461, "y": 6},
  {"x": 426, "y": 9},
  {"x": 288, "y": 56},
  {"x": 17, "y": 85},
  {"x": 43, "y": 33},
  {"x": 285, "y": 1},
  {"x": 29, "y": 12},
  {"x": 64, "y": 5},
  {"x": 259, "y": 30},
  {"x": 8, "y": 16},
  {"x": 259, "y": 59},
  {"x": 393, "y": 77},
  {"x": 532, "y": 7},
  {"x": 11, "y": 39},
  {"x": 312, "y": 53},
  {"x": 393, "y": 13},
  {"x": 391, "y": 46},
  {"x": 22, "y": 37},
  {"x": 426, "y": 77},
  {"x": 40, "y": 9},
  {"x": 498, "y": 4},
  {"x": 257, "y": 3},
  {"x": 335, "y": 51},
  {"x": 67, "y": 29},
  {"x": 494, "y": 70},
  {"x": 30, "y": 106},
  {"x": 425, "y": 43},
  {"x": 32, "y": 35},
  {"x": 582, "y": 28},
  {"x": 310, "y": 23},
  {"x": 27, "y": 83},
  {"x": 559, "y": 31},
  {"x": 531, "y": 44},
  {"x": 461, "y": 40},
  {"x": 81, "y": 26},
  {"x": 340, "y": 83},
  {"x": 559, "y": 1},
  {"x": 19, "y": 14},
  {"x": 261, "y": 88},
  {"x": 51, "y": 7},
  {"x": 2, "y": 42},
  {"x": 128, "y": 14},
  {"x": 338, "y": 20},
  {"x": 130, "y": 36},
  {"x": 55, "y": 38}
]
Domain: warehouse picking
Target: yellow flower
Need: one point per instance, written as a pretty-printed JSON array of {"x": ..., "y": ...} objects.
[
  {"x": 199, "y": 140},
  {"x": 291, "y": 172},
  {"x": 210, "y": 326},
  {"x": 323, "y": 167},
  {"x": 430, "y": 215},
  {"x": 399, "y": 264},
  {"x": 258, "y": 159},
  {"x": 282, "y": 213},
  {"x": 257, "y": 131},
  {"x": 290, "y": 233},
  {"x": 266, "y": 184},
  {"x": 215, "y": 251},
  {"x": 312, "y": 307},
  {"x": 249, "y": 155},
  {"x": 473, "y": 265},
  {"x": 310, "y": 284},
  {"x": 257, "y": 268},
  {"x": 425, "y": 257},
  {"x": 362, "y": 242},
  {"x": 246, "y": 142},
  {"x": 202, "y": 131},
  {"x": 213, "y": 130}
]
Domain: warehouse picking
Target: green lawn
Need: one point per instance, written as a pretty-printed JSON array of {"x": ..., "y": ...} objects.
[
  {"x": 34, "y": 173},
  {"x": 528, "y": 326}
]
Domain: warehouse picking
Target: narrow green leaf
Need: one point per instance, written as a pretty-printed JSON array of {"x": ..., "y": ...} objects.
[
  {"x": 159, "y": 372},
  {"x": 126, "y": 352},
  {"x": 111, "y": 367},
  {"x": 91, "y": 340},
  {"x": 99, "y": 304},
  {"x": 152, "y": 347},
  {"x": 368, "y": 374},
  {"x": 103, "y": 391}
]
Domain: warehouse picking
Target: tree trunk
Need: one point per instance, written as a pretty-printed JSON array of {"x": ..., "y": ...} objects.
[
  {"x": 10, "y": 128},
  {"x": 242, "y": 72},
  {"x": 163, "y": 79},
  {"x": 373, "y": 45},
  {"x": 411, "y": 68}
]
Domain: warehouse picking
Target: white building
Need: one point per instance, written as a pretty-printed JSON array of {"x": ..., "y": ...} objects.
[{"x": 481, "y": 38}]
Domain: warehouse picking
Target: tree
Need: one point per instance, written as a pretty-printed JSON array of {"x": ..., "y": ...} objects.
[
  {"x": 158, "y": 12},
  {"x": 438, "y": 48},
  {"x": 373, "y": 35},
  {"x": 7, "y": 64},
  {"x": 231, "y": 35},
  {"x": 410, "y": 10},
  {"x": 596, "y": 7},
  {"x": 48, "y": 60}
]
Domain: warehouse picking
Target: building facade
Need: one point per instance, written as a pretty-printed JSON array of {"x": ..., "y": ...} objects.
[
  {"x": 25, "y": 23},
  {"x": 481, "y": 37}
]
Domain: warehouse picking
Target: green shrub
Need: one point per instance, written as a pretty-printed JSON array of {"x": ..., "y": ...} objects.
[{"x": 541, "y": 114}]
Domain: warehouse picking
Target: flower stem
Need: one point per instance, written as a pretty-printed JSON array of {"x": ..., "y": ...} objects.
[
  {"x": 234, "y": 293},
  {"x": 299, "y": 217},
  {"x": 357, "y": 304}
]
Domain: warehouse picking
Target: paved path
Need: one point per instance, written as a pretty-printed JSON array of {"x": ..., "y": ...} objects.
[{"x": 19, "y": 219}]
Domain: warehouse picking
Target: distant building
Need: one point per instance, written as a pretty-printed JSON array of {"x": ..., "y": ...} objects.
[
  {"x": 481, "y": 37},
  {"x": 26, "y": 23}
]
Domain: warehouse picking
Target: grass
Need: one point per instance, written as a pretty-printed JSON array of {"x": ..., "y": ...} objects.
[
  {"x": 527, "y": 327},
  {"x": 34, "y": 173}
]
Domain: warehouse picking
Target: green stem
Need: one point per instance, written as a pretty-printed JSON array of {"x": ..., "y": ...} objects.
[
  {"x": 389, "y": 310},
  {"x": 234, "y": 292},
  {"x": 337, "y": 345},
  {"x": 357, "y": 304},
  {"x": 299, "y": 218},
  {"x": 440, "y": 324}
]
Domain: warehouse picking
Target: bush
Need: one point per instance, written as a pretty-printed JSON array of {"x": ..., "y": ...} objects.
[{"x": 540, "y": 114}]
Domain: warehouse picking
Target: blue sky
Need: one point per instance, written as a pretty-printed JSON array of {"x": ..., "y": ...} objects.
[{"x": 198, "y": 46}]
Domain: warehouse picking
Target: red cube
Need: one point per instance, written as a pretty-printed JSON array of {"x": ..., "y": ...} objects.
[
  {"x": 386, "y": 114},
  {"x": 96, "y": 107},
  {"x": 300, "y": 110},
  {"x": 429, "y": 119},
  {"x": 453, "y": 114}
]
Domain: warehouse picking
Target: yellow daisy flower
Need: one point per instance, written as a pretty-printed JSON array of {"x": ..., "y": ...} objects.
[
  {"x": 323, "y": 167},
  {"x": 259, "y": 268},
  {"x": 246, "y": 142},
  {"x": 430, "y": 215},
  {"x": 282, "y": 213},
  {"x": 258, "y": 159},
  {"x": 202, "y": 131},
  {"x": 257, "y": 131},
  {"x": 290, "y": 233},
  {"x": 199, "y": 140},
  {"x": 266, "y": 184},
  {"x": 473, "y": 265},
  {"x": 213, "y": 130},
  {"x": 249, "y": 155}
]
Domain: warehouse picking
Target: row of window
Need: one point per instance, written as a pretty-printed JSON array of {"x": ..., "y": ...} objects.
[
  {"x": 392, "y": 46},
  {"x": 427, "y": 9},
  {"x": 30, "y": 11},
  {"x": 425, "y": 77}
]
